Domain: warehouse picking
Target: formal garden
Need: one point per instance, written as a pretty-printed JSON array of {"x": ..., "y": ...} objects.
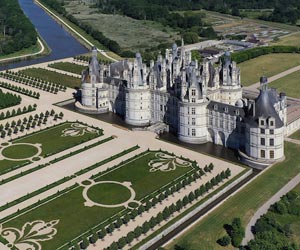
[
  {"x": 51, "y": 76},
  {"x": 87, "y": 211},
  {"x": 68, "y": 67},
  {"x": 29, "y": 148}
]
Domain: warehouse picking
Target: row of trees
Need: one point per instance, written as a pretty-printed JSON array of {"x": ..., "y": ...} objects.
[
  {"x": 34, "y": 82},
  {"x": 21, "y": 90},
  {"x": 245, "y": 55},
  {"x": 19, "y": 111},
  {"x": 27, "y": 123},
  {"x": 9, "y": 100},
  {"x": 97, "y": 35},
  {"x": 164, "y": 215},
  {"x": 17, "y": 31},
  {"x": 152, "y": 202}
]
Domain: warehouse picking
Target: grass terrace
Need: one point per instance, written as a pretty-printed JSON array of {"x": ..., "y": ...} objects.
[
  {"x": 205, "y": 233},
  {"x": 68, "y": 67},
  {"x": 85, "y": 206},
  {"x": 289, "y": 84},
  {"x": 295, "y": 135},
  {"x": 268, "y": 65},
  {"x": 47, "y": 75},
  {"x": 44, "y": 143}
]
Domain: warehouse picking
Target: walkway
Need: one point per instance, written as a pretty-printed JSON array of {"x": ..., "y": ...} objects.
[
  {"x": 25, "y": 56},
  {"x": 255, "y": 86},
  {"x": 264, "y": 209}
]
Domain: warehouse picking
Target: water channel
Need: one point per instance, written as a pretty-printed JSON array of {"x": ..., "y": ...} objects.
[{"x": 62, "y": 43}]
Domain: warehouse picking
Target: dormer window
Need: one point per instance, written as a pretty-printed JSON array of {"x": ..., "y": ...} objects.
[
  {"x": 226, "y": 109},
  {"x": 237, "y": 112},
  {"x": 215, "y": 107},
  {"x": 262, "y": 122},
  {"x": 271, "y": 122},
  {"x": 193, "y": 92}
]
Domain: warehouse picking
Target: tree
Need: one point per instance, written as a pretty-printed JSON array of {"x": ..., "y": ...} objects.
[
  {"x": 122, "y": 242},
  {"x": 130, "y": 237},
  {"x": 138, "y": 232},
  {"x": 84, "y": 243},
  {"x": 224, "y": 241},
  {"x": 146, "y": 227}
]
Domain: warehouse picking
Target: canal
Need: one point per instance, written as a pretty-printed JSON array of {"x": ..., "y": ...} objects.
[{"x": 61, "y": 43}]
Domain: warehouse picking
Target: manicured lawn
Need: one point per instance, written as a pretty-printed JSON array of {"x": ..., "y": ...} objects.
[
  {"x": 244, "y": 204},
  {"x": 103, "y": 192},
  {"x": 289, "y": 84},
  {"x": 295, "y": 135},
  {"x": 47, "y": 75},
  {"x": 51, "y": 140},
  {"x": 20, "y": 151},
  {"x": 268, "y": 65},
  {"x": 69, "y": 67},
  {"x": 75, "y": 218}
]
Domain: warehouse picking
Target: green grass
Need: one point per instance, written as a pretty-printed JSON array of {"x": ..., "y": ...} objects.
[
  {"x": 203, "y": 235},
  {"x": 295, "y": 135},
  {"x": 103, "y": 192},
  {"x": 20, "y": 151},
  {"x": 289, "y": 84},
  {"x": 51, "y": 140},
  {"x": 69, "y": 67},
  {"x": 75, "y": 218},
  {"x": 268, "y": 65},
  {"x": 291, "y": 40},
  {"x": 47, "y": 75},
  {"x": 122, "y": 29}
]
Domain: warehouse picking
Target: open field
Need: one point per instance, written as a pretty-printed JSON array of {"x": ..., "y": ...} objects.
[
  {"x": 289, "y": 84},
  {"x": 47, "y": 75},
  {"x": 244, "y": 204},
  {"x": 44, "y": 143},
  {"x": 69, "y": 67},
  {"x": 290, "y": 40},
  {"x": 129, "y": 33},
  {"x": 73, "y": 217},
  {"x": 267, "y": 65}
]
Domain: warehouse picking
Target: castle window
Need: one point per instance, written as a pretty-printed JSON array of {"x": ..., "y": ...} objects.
[
  {"x": 262, "y": 131},
  {"x": 271, "y": 131},
  {"x": 226, "y": 109},
  {"x": 210, "y": 120},
  {"x": 262, "y": 122},
  {"x": 271, "y": 142},
  {"x": 237, "y": 112},
  {"x": 215, "y": 107},
  {"x": 193, "y": 92},
  {"x": 193, "y": 111},
  {"x": 193, "y": 121},
  {"x": 272, "y": 155},
  {"x": 141, "y": 107},
  {"x": 193, "y": 132},
  {"x": 193, "y": 100},
  {"x": 161, "y": 107},
  {"x": 262, "y": 141},
  {"x": 262, "y": 153}
]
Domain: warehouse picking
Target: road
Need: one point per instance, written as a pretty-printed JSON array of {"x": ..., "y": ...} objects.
[{"x": 264, "y": 209}]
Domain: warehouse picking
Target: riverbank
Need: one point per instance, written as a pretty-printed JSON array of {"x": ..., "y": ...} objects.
[
  {"x": 40, "y": 49},
  {"x": 78, "y": 33}
]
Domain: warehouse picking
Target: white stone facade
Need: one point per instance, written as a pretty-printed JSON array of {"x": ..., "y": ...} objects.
[{"x": 200, "y": 103}]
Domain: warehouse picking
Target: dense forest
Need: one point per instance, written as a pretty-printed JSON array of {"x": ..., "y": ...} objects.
[
  {"x": 17, "y": 32},
  {"x": 285, "y": 11}
]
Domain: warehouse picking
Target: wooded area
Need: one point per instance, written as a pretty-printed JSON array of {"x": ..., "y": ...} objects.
[{"x": 16, "y": 31}]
